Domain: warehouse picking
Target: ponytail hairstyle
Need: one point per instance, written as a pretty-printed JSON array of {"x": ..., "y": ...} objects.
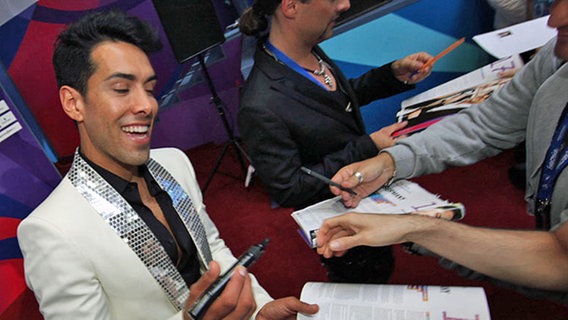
[{"x": 254, "y": 19}]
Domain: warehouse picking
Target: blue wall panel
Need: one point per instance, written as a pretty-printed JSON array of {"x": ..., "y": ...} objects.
[{"x": 427, "y": 25}]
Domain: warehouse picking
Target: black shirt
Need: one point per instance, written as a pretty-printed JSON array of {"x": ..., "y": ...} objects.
[{"x": 188, "y": 264}]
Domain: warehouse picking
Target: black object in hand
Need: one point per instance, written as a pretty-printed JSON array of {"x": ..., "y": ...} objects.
[{"x": 205, "y": 300}]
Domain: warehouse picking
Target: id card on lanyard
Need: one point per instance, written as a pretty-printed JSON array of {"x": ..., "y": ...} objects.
[{"x": 555, "y": 161}]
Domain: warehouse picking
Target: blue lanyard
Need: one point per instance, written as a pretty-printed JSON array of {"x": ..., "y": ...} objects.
[
  {"x": 281, "y": 56},
  {"x": 555, "y": 161}
]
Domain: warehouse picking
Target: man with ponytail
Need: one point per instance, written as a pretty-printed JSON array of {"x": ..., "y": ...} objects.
[{"x": 298, "y": 109}]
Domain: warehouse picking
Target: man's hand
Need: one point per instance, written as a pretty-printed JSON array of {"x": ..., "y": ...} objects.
[
  {"x": 405, "y": 69},
  {"x": 235, "y": 302},
  {"x": 285, "y": 308},
  {"x": 365, "y": 177},
  {"x": 341, "y": 233},
  {"x": 383, "y": 138}
]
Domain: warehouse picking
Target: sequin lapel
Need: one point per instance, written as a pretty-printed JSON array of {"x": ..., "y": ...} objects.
[{"x": 122, "y": 218}]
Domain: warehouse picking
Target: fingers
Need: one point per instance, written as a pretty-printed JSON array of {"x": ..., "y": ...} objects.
[
  {"x": 402, "y": 136},
  {"x": 342, "y": 244},
  {"x": 201, "y": 285},
  {"x": 236, "y": 301},
  {"x": 375, "y": 171},
  {"x": 413, "y": 62},
  {"x": 351, "y": 179},
  {"x": 327, "y": 250},
  {"x": 205, "y": 281},
  {"x": 306, "y": 308},
  {"x": 246, "y": 305},
  {"x": 383, "y": 138},
  {"x": 395, "y": 127},
  {"x": 345, "y": 177},
  {"x": 422, "y": 56},
  {"x": 415, "y": 67},
  {"x": 297, "y": 306},
  {"x": 334, "y": 230},
  {"x": 507, "y": 74},
  {"x": 286, "y": 308}
]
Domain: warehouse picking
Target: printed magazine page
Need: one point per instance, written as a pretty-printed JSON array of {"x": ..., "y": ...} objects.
[
  {"x": 490, "y": 72},
  {"x": 402, "y": 197},
  {"x": 433, "y": 105},
  {"x": 342, "y": 301}
]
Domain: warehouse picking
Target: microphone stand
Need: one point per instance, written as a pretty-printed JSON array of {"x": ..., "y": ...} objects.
[{"x": 232, "y": 141}]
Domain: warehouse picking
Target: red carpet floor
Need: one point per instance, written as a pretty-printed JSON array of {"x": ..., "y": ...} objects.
[{"x": 244, "y": 216}]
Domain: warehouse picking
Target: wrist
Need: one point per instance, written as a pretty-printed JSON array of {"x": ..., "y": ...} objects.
[
  {"x": 419, "y": 227},
  {"x": 389, "y": 167},
  {"x": 391, "y": 180}
]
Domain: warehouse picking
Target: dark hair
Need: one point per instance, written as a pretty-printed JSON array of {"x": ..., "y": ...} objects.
[
  {"x": 254, "y": 19},
  {"x": 72, "y": 56}
]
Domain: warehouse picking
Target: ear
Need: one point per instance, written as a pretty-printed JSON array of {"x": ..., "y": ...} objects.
[
  {"x": 72, "y": 102},
  {"x": 289, "y": 7}
]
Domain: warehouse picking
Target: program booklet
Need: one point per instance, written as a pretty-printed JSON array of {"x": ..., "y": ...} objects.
[
  {"x": 431, "y": 106},
  {"x": 401, "y": 197},
  {"x": 345, "y": 301}
]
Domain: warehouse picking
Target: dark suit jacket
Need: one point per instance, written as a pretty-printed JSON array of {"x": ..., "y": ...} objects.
[{"x": 287, "y": 121}]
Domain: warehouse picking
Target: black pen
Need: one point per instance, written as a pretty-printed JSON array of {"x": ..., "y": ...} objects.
[
  {"x": 205, "y": 300},
  {"x": 327, "y": 180}
]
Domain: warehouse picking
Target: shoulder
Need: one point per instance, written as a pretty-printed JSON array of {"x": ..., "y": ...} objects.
[
  {"x": 65, "y": 212},
  {"x": 165, "y": 155},
  {"x": 62, "y": 201},
  {"x": 172, "y": 159},
  {"x": 546, "y": 56}
]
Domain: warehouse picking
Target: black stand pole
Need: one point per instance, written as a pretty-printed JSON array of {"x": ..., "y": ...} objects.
[{"x": 232, "y": 140}]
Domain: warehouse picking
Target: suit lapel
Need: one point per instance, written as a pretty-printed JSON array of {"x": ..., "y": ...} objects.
[
  {"x": 346, "y": 87},
  {"x": 297, "y": 87},
  {"x": 184, "y": 206},
  {"x": 133, "y": 231}
]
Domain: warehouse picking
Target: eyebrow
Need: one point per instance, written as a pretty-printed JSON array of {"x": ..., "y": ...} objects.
[{"x": 131, "y": 77}]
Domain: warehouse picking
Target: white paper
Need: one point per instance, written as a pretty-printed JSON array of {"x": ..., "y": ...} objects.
[
  {"x": 340, "y": 301},
  {"x": 401, "y": 197},
  {"x": 516, "y": 39}
]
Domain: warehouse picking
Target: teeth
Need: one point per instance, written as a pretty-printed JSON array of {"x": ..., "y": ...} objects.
[{"x": 135, "y": 129}]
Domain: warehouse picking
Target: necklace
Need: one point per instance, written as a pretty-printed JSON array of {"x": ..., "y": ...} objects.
[
  {"x": 281, "y": 58},
  {"x": 321, "y": 71}
]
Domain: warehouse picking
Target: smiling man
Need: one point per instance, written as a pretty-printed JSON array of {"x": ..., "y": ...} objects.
[{"x": 125, "y": 235}]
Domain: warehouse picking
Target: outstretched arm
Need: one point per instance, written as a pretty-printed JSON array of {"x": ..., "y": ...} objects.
[{"x": 532, "y": 258}]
